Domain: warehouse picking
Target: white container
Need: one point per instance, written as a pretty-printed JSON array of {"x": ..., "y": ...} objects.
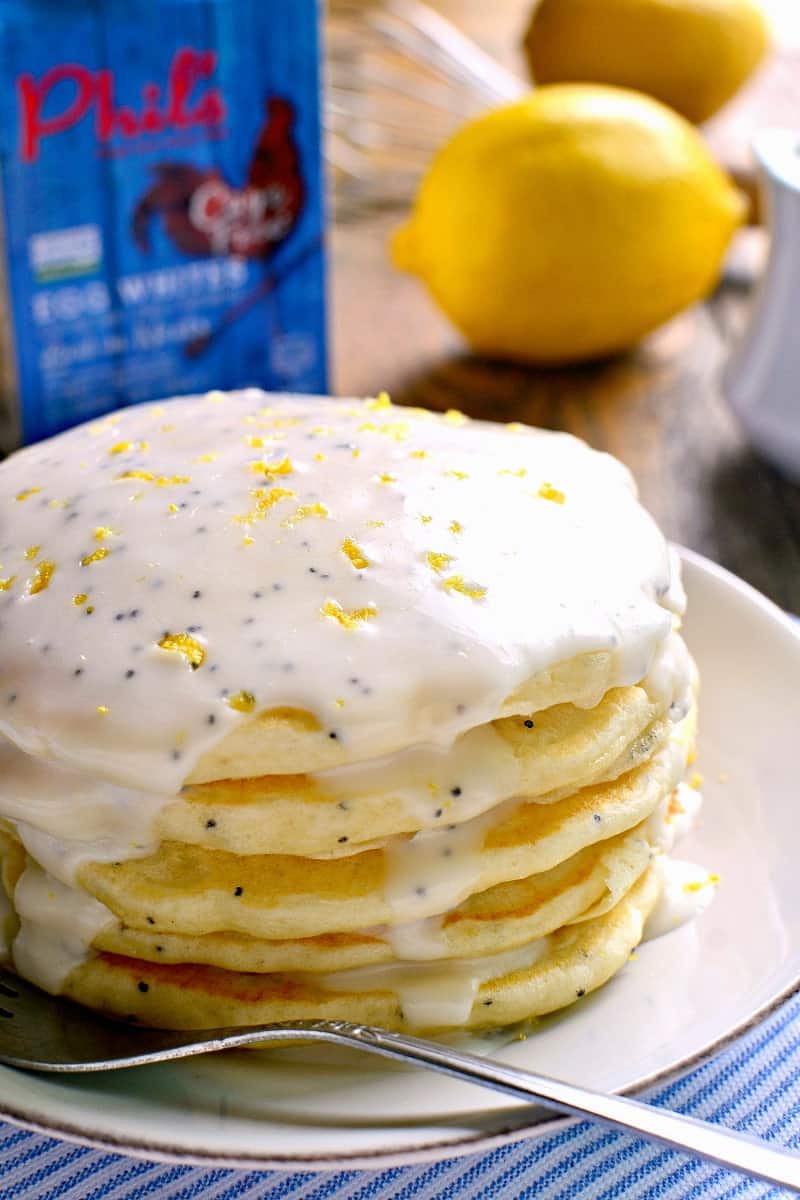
[{"x": 762, "y": 377}]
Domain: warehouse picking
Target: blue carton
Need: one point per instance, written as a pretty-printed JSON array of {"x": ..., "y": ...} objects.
[{"x": 162, "y": 202}]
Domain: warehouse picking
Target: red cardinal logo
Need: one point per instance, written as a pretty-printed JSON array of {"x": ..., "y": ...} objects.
[{"x": 203, "y": 214}]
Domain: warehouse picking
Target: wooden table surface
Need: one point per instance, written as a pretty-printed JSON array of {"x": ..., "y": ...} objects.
[{"x": 659, "y": 409}]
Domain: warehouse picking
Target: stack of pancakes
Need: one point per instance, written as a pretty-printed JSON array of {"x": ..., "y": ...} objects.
[{"x": 363, "y": 714}]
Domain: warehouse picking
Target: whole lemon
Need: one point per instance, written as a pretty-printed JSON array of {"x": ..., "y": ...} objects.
[
  {"x": 692, "y": 54},
  {"x": 568, "y": 224}
]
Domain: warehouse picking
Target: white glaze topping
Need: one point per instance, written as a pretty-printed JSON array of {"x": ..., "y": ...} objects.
[
  {"x": 65, "y": 818},
  {"x": 435, "y": 994},
  {"x": 58, "y": 924},
  {"x": 479, "y": 770},
  {"x": 399, "y": 575},
  {"x": 686, "y": 889}
]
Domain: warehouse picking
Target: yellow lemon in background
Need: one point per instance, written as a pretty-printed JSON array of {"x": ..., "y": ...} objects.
[
  {"x": 568, "y": 224},
  {"x": 691, "y": 54}
]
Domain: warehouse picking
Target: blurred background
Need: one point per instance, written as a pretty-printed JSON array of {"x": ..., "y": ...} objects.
[{"x": 399, "y": 86}]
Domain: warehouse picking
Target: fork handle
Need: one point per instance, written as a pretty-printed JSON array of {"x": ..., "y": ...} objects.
[{"x": 726, "y": 1147}]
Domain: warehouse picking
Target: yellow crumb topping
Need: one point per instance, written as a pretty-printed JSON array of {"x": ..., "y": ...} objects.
[
  {"x": 31, "y": 491},
  {"x": 454, "y": 417},
  {"x": 376, "y": 524},
  {"x": 419, "y": 454},
  {"x": 457, "y": 474},
  {"x": 425, "y": 519},
  {"x": 384, "y": 478},
  {"x": 207, "y": 458},
  {"x": 32, "y": 552},
  {"x": 348, "y": 618},
  {"x": 96, "y": 556},
  {"x": 243, "y": 702},
  {"x": 79, "y": 598},
  {"x": 696, "y": 781},
  {"x": 5, "y": 584},
  {"x": 121, "y": 447},
  {"x": 520, "y": 473},
  {"x": 102, "y": 709},
  {"x": 102, "y": 532},
  {"x": 456, "y": 527},
  {"x": 185, "y": 645},
  {"x": 355, "y": 554}
]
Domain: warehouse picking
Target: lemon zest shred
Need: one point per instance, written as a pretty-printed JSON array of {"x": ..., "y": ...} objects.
[
  {"x": 355, "y": 554},
  {"x": 454, "y": 417},
  {"x": 42, "y": 576},
  {"x": 379, "y": 403},
  {"x": 348, "y": 618},
  {"x": 185, "y": 645},
  {"x": 438, "y": 562},
  {"x": 548, "y": 492},
  {"x": 457, "y": 583},
  {"x": 271, "y": 470},
  {"x": 306, "y": 510}
]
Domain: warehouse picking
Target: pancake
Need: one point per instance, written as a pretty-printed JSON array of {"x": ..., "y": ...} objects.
[
  {"x": 501, "y": 918},
  {"x": 278, "y": 740},
  {"x": 560, "y": 969},
  {"x": 326, "y": 708},
  {"x": 544, "y": 755},
  {"x": 192, "y": 890}
]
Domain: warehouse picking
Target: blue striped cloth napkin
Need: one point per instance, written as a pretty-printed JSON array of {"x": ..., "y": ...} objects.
[{"x": 754, "y": 1085}]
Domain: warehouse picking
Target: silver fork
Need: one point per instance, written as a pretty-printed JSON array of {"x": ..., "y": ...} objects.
[{"x": 39, "y": 1032}]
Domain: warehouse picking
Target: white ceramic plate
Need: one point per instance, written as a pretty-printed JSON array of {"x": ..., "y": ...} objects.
[{"x": 679, "y": 999}]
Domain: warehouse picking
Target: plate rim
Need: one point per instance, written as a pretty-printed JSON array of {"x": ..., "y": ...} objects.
[{"x": 428, "y": 1150}]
